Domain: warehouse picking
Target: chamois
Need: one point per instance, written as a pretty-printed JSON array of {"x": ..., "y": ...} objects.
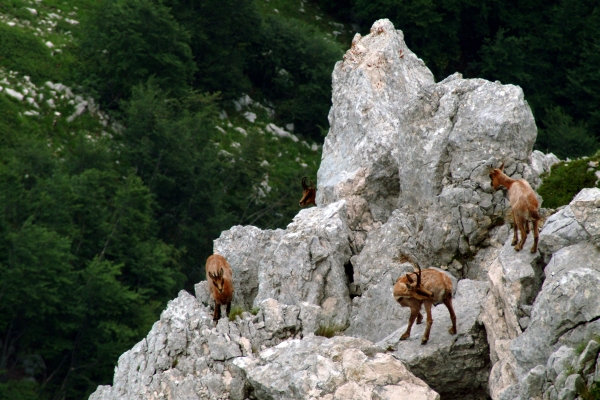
[
  {"x": 220, "y": 282},
  {"x": 309, "y": 194},
  {"x": 523, "y": 203},
  {"x": 431, "y": 287}
]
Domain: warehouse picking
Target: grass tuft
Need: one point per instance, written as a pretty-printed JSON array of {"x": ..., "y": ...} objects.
[{"x": 329, "y": 330}]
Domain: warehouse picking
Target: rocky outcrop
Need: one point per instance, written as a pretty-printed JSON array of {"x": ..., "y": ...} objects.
[
  {"x": 404, "y": 171},
  {"x": 186, "y": 357},
  {"x": 337, "y": 368},
  {"x": 400, "y": 141},
  {"x": 535, "y": 357}
]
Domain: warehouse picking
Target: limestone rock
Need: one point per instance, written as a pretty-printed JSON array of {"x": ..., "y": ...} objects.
[
  {"x": 399, "y": 140},
  {"x": 378, "y": 77},
  {"x": 307, "y": 264},
  {"x": 336, "y": 368},
  {"x": 586, "y": 208},
  {"x": 569, "y": 300},
  {"x": 244, "y": 247},
  {"x": 560, "y": 230}
]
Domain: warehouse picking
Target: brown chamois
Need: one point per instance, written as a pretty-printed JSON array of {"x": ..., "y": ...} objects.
[
  {"x": 309, "y": 194},
  {"x": 524, "y": 206},
  {"x": 431, "y": 287},
  {"x": 220, "y": 282}
]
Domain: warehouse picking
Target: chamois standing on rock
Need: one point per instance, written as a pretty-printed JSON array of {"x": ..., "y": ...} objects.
[
  {"x": 523, "y": 203},
  {"x": 220, "y": 281},
  {"x": 309, "y": 194},
  {"x": 431, "y": 287}
]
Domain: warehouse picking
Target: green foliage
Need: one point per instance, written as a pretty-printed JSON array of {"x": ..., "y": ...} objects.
[
  {"x": 18, "y": 390},
  {"x": 565, "y": 180},
  {"x": 82, "y": 272},
  {"x": 292, "y": 65},
  {"x": 125, "y": 42},
  {"x": 222, "y": 32},
  {"x": 592, "y": 392},
  {"x": 169, "y": 143},
  {"x": 254, "y": 310},
  {"x": 21, "y": 51},
  {"x": 565, "y": 137},
  {"x": 235, "y": 311}
]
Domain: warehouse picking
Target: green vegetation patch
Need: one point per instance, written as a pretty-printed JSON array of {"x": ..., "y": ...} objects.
[
  {"x": 21, "y": 51},
  {"x": 567, "y": 178},
  {"x": 329, "y": 330}
]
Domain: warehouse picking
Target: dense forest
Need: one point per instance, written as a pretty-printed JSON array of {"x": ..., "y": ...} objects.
[{"x": 132, "y": 132}]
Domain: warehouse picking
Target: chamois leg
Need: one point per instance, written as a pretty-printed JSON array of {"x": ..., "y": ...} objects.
[
  {"x": 425, "y": 338},
  {"x": 217, "y": 313},
  {"x": 515, "y": 227},
  {"x": 413, "y": 315},
  {"x": 419, "y": 318},
  {"x": 521, "y": 226},
  {"x": 228, "y": 309},
  {"x": 536, "y": 235},
  {"x": 448, "y": 304}
]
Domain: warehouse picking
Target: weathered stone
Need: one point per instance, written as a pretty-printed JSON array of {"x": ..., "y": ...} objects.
[
  {"x": 341, "y": 367},
  {"x": 391, "y": 125},
  {"x": 569, "y": 298},
  {"x": 244, "y": 247},
  {"x": 559, "y": 361},
  {"x": 586, "y": 208},
  {"x": 587, "y": 358},
  {"x": 378, "y": 77},
  {"x": 292, "y": 273},
  {"x": 560, "y": 230},
  {"x": 573, "y": 385},
  {"x": 531, "y": 386}
]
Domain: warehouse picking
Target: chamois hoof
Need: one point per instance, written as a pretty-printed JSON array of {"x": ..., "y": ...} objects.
[
  {"x": 517, "y": 248},
  {"x": 533, "y": 250},
  {"x": 452, "y": 330},
  {"x": 404, "y": 337},
  {"x": 514, "y": 242},
  {"x": 419, "y": 320},
  {"x": 424, "y": 341}
]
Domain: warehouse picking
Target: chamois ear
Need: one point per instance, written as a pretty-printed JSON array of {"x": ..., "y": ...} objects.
[
  {"x": 408, "y": 278},
  {"x": 501, "y": 166},
  {"x": 212, "y": 276},
  {"x": 221, "y": 273}
]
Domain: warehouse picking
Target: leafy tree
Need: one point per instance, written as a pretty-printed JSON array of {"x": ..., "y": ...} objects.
[
  {"x": 565, "y": 137},
  {"x": 222, "y": 32},
  {"x": 169, "y": 142},
  {"x": 124, "y": 42},
  {"x": 292, "y": 66},
  {"x": 82, "y": 272}
]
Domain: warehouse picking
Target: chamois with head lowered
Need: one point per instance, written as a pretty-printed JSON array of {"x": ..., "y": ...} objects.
[
  {"x": 429, "y": 287},
  {"x": 523, "y": 203},
  {"x": 309, "y": 194},
  {"x": 220, "y": 281}
]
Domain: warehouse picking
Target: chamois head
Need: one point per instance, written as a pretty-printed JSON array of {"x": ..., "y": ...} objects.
[
  {"x": 407, "y": 287},
  {"x": 495, "y": 174},
  {"x": 218, "y": 280},
  {"x": 309, "y": 193}
]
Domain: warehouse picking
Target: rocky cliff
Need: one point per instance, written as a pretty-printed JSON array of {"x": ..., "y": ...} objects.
[{"x": 404, "y": 171}]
